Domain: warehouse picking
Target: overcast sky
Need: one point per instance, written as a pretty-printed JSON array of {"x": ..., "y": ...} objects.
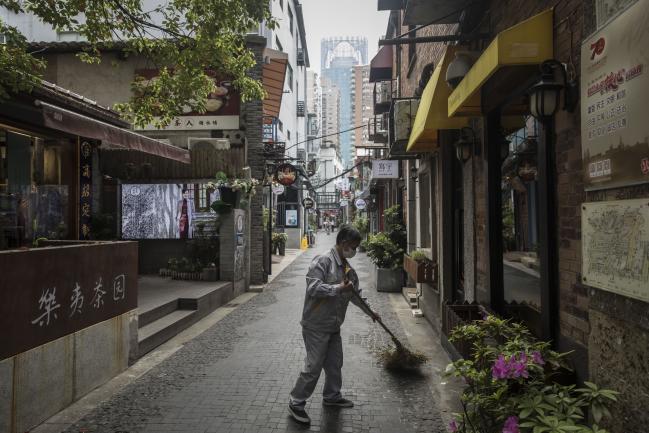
[{"x": 324, "y": 18}]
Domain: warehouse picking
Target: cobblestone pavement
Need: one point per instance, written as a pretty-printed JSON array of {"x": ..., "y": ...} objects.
[{"x": 236, "y": 376}]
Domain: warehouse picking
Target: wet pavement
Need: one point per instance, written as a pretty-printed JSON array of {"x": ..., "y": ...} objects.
[{"x": 236, "y": 376}]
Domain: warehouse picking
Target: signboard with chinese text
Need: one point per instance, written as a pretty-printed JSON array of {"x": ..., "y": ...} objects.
[
  {"x": 85, "y": 190},
  {"x": 47, "y": 293},
  {"x": 615, "y": 247},
  {"x": 221, "y": 108},
  {"x": 614, "y": 88},
  {"x": 360, "y": 204},
  {"x": 385, "y": 169}
]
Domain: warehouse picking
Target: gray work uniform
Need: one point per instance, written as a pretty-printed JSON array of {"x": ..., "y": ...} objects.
[{"x": 323, "y": 313}]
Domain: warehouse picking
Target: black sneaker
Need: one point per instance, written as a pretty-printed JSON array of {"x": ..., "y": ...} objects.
[
  {"x": 299, "y": 414},
  {"x": 341, "y": 402}
]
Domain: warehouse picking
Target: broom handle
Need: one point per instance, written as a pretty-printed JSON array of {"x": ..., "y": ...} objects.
[{"x": 378, "y": 319}]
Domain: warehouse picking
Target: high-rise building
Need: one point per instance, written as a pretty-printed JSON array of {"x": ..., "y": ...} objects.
[
  {"x": 329, "y": 156},
  {"x": 339, "y": 55},
  {"x": 314, "y": 114},
  {"x": 362, "y": 110}
]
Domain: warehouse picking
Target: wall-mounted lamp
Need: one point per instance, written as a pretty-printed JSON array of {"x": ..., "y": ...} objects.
[
  {"x": 545, "y": 94},
  {"x": 465, "y": 145}
]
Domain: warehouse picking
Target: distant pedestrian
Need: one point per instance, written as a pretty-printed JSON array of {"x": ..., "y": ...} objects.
[{"x": 330, "y": 281}]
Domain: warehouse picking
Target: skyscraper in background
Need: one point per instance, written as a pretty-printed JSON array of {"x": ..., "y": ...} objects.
[{"x": 339, "y": 55}]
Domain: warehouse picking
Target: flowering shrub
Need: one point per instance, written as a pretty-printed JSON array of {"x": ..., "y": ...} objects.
[{"x": 511, "y": 385}]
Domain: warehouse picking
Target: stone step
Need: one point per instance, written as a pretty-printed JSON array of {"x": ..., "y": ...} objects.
[
  {"x": 157, "y": 332},
  {"x": 150, "y": 316}
]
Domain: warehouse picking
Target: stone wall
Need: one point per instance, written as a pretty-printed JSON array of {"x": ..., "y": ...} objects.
[
  {"x": 252, "y": 116},
  {"x": 38, "y": 383}
]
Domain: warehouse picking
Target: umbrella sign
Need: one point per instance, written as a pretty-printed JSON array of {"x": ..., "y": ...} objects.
[
  {"x": 360, "y": 204},
  {"x": 308, "y": 203},
  {"x": 343, "y": 203}
]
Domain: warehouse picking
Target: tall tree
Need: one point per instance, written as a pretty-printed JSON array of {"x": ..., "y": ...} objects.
[{"x": 185, "y": 39}]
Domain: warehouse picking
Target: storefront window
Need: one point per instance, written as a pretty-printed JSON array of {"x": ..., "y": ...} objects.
[
  {"x": 34, "y": 193},
  {"x": 520, "y": 220}
]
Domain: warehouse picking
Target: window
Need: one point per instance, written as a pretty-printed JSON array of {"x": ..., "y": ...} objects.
[
  {"x": 289, "y": 76},
  {"x": 290, "y": 20},
  {"x": 288, "y": 134},
  {"x": 281, "y": 4},
  {"x": 280, "y": 124},
  {"x": 278, "y": 44},
  {"x": 424, "y": 210}
]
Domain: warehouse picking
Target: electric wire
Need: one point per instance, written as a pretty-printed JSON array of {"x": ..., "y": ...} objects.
[{"x": 327, "y": 135}]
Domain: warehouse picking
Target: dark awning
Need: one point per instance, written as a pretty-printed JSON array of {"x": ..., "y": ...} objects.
[
  {"x": 73, "y": 123},
  {"x": 381, "y": 65}
]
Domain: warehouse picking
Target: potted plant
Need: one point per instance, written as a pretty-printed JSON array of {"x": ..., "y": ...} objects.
[
  {"x": 279, "y": 243},
  {"x": 419, "y": 267},
  {"x": 234, "y": 191},
  {"x": 512, "y": 386},
  {"x": 386, "y": 251},
  {"x": 363, "y": 226}
]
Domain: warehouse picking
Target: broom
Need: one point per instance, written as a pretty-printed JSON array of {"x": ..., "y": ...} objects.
[{"x": 399, "y": 357}]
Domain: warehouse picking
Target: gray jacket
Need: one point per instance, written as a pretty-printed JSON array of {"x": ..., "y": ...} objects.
[{"x": 325, "y": 308}]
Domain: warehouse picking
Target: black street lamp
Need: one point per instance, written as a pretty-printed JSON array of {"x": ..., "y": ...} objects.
[{"x": 545, "y": 94}]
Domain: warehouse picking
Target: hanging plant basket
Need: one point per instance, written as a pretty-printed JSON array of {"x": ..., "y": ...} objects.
[{"x": 229, "y": 196}]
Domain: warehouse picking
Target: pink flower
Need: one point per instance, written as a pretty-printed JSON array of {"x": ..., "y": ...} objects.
[
  {"x": 500, "y": 369},
  {"x": 511, "y": 425},
  {"x": 453, "y": 426},
  {"x": 538, "y": 358},
  {"x": 518, "y": 369}
]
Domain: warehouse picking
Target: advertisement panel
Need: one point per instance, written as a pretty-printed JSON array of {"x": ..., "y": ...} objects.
[
  {"x": 614, "y": 85},
  {"x": 164, "y": 211}
]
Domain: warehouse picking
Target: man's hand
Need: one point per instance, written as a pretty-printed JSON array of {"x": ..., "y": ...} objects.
[
  {"x": 375, "y": 316},
  {"x": 346, "y": 286}
]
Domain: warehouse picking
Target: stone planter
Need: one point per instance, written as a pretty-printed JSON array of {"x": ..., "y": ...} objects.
[
  {"x": 389, "y": 280},
  {"x": 282, "y": 248}
]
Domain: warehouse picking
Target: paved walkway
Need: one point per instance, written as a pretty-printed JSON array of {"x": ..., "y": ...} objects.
[{"x": 235, "y": 377}]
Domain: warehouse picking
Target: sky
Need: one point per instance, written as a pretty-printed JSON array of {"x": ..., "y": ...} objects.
[{"x": 324, "y": 18}]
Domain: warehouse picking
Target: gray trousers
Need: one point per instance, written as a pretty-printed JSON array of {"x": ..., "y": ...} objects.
[{"x": 324, "y": 350}]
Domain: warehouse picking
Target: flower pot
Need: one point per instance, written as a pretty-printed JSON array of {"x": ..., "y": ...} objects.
[
  {"x": 275, "y": 248},
  {"x": 230, "y": 196},
  {"x": 419, "y": 271},
  {"x": 389, "y": 280},
  {"x": 282, "y": 249}
]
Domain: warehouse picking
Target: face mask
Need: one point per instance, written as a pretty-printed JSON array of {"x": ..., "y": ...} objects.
[{"x": 348, "y": 253}]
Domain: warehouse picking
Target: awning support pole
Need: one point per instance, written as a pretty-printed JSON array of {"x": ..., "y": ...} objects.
[{"x": 431, "y": 39}]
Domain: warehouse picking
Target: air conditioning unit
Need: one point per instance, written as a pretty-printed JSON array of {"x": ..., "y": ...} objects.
[
  {"x": 213, "y": 143},
  {"x": 404, "y": 117}
]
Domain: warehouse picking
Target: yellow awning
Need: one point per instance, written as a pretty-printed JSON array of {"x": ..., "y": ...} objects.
[
  {"x": 432, "y": 112},
  {"x": 527, "y": 43}
]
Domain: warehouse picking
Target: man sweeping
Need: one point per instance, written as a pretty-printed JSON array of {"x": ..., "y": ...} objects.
[{"x": 330, "y": 282}]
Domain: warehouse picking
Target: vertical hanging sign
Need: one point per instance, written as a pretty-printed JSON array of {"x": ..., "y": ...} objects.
[{"x": 85, "y": 189}]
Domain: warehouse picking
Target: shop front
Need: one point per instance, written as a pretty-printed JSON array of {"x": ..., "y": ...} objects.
[{"x": 66, "y": 302}]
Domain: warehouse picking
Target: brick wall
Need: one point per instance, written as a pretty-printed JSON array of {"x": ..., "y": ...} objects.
[{"x": 253, "y": 120}]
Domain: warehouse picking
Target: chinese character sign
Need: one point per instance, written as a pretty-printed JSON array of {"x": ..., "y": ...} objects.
[
  {"x": 385, "y": 169},
  {"x": 85, "y": 190},
  {"x": 614, "y": 86}
]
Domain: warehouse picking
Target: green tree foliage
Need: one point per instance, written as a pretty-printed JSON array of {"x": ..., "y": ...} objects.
[{"x": 185, "y": 39}]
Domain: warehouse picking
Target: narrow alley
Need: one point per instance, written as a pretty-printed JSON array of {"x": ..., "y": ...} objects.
[{"x": 237, "y": 375}]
